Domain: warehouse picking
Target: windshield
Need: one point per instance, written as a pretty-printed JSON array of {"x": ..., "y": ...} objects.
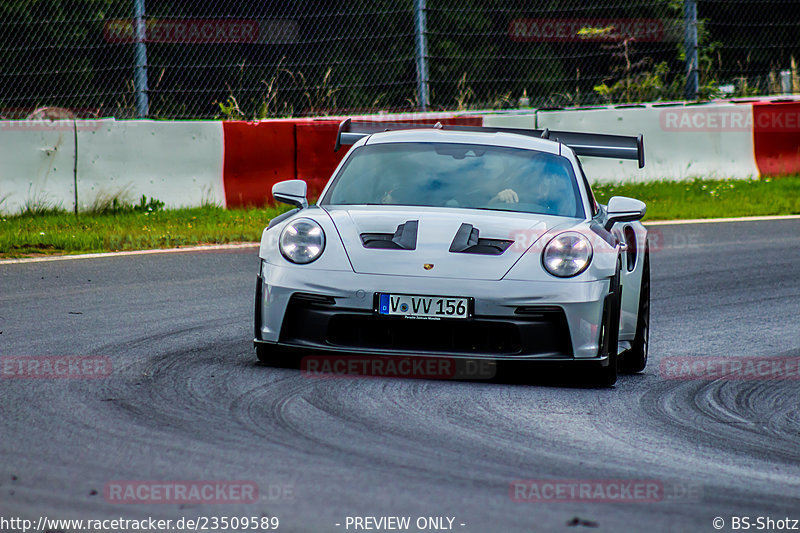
[{"x": 458, "y": 175}]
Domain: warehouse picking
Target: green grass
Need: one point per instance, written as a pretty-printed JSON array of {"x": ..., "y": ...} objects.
[
  {"x": 43, "y": 230},
  {"x": 672, "y": 200},
  {"x": 60, "y": 232}
]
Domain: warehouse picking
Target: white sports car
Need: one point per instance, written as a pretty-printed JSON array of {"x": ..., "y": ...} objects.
[{"x": 459, "y": 241}]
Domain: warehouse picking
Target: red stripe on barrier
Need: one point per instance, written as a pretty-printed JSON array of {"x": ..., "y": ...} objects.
[
  {"x": 260, "y": 154},
  {"x": 452, "y": 121},
  {"x": 776, "y": 137},
  {"x": 257, "y": 155},
  {"x": 316, "y": 159}
]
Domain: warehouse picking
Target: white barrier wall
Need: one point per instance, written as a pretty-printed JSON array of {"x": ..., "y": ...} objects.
[
  {"x": 707, "y": 141},
  {"x": 36, "y": 164},
  {"x": 525, "y": 120},
  {"x": 179, "y": 163}
]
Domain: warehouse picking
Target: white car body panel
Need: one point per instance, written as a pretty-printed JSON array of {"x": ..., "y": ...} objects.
[{"x": 500, "y": 285}]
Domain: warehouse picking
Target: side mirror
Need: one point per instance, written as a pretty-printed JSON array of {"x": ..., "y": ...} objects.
[
  {"x": 292, "y": 192},
  {"x": 623, "y": 209}
]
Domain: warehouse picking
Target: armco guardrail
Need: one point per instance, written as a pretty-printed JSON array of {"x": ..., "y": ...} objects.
[{"x": 235, "y": 164}]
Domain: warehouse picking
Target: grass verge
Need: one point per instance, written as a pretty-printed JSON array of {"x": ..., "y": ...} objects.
[
  {"x": 63, "y": 233},
  {"x": 144, "y": 226},
  {"x": 674, "y": 200}
]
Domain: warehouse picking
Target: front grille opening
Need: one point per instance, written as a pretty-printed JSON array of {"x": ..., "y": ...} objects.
[
  {"x": 310, "y": 323},
  {"x": 474, "y": 336}
]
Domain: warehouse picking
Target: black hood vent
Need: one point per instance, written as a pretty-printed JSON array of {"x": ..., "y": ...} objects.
[
  {"x": 404, "y": 238},
  {"x": 468, "y": 241}
]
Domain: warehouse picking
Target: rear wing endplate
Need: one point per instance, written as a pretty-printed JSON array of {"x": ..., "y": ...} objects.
[{"x": 588, "y": 144}]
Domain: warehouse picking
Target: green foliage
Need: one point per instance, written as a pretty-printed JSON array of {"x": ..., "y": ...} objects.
[
  {"x": 115, "y": 204},
  {"x": 645, "y": 86},
  {"x": 54, "y": 44},
  {"x": 640, "y": 79},
  {"x": 229, "y": 110},
  {"x": 39, "y": 205},
  {"x": 360, "y": 57},
  {"x": 147, "y": 205}
]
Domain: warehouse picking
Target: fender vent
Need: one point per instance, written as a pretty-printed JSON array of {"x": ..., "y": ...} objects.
[
  {"x": 468, "y": 241},
  {"x": 404, "y": 238},
  {"x": 630, "y": 240}
]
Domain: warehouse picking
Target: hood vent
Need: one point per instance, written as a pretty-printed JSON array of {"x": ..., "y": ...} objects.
[
  {"x": 468, "y": 241},
  {"x": 404, "y": 238}
]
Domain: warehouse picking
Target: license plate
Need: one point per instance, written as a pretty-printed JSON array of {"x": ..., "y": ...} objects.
[{"x": 412, "y": 306}]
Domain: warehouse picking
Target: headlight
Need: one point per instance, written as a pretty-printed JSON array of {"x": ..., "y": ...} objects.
[
  {"x": 302, "y": 241},
  {"x": 567, "y": 254}
]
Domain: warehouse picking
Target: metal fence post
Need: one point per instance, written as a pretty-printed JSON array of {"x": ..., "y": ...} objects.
[
  {"x": 690, "y": 46},
  {"x": 140, "y": 70},
  {"x": 420, "y": 27}
]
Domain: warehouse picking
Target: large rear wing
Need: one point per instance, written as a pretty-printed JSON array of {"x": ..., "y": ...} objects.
[{"x": 589, "y": 144}]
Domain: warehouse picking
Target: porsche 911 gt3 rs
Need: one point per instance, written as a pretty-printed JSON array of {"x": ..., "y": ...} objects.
[{"x": 459, "y": 241}]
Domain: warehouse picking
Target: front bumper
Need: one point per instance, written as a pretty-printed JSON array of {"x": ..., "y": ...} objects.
[{"x": 555, "y": 320}]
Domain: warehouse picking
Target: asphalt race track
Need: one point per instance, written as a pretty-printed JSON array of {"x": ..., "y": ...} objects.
[{"x": 186, "y": 400}]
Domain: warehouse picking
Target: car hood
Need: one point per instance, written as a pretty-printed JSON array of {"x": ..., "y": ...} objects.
[{"x": 436, "y": 229}]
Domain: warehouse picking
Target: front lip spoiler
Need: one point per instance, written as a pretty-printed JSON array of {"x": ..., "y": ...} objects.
[{"x": 313, "y": 349}]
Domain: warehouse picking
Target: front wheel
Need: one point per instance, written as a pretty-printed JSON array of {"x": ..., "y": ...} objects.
[
  {"x": 635, "y": 359},
  {"x": 609, "y": 334}
]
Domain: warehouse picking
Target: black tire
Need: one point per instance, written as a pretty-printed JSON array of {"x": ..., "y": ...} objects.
[
  {"x": 635, "y": 359},
  {"x": 609, "y": 335}
]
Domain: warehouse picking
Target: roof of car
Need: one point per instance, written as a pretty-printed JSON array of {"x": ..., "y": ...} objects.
[{"x": 509, "y": 140}]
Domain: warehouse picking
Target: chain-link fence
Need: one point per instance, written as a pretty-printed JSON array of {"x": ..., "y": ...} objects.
[{"x": 215, "y": 58}]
